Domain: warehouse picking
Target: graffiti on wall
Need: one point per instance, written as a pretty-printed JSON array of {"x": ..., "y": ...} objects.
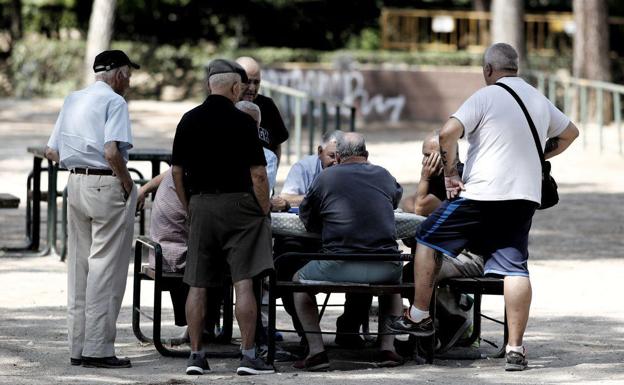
[{"x": 348, "y": 86}]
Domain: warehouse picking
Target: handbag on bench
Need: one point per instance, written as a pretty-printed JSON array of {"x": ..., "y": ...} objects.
[{"x": 550, "y": 196}]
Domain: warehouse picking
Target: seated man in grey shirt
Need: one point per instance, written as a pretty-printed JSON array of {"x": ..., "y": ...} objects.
[
  {"x": 352, "y": 206},
  {"x": 297, "y": 184}
]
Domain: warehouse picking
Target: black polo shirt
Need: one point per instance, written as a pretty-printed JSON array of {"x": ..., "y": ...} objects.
[
  {"x": 216, "y": 144},
  {"x": 275, "y": 131}
]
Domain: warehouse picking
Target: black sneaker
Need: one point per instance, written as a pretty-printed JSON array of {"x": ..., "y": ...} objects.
[
  {"x": 404, "y": 324},
  {"x": 197, "y": 364},
  {"x": 111, "y": 362},
  {"x": 515, "y": 361},
  {"x": 250, "y": 366}
]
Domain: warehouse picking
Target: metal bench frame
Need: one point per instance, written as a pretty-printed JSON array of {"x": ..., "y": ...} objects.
[
  {"x": 163, "y": 281},
  {"x": 478, "y": 286}
]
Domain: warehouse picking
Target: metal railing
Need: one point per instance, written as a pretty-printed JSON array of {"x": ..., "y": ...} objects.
[
  {"x": 299, "y": 108},
  {"x": 440, "y": 30},
  {"x": 591, "y": 103}
]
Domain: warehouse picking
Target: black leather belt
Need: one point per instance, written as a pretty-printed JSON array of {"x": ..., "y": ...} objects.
[{"x": 91, "y": 171}]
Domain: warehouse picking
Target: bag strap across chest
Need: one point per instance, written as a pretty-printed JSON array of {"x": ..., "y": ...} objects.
[{"x": 538, "y": 144}]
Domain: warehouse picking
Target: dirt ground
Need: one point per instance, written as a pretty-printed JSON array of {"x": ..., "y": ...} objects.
[{"x": 575, "y": 334}]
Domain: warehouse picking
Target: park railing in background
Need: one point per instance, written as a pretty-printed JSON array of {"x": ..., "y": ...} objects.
[
  {"x": 592, "y": 104},
  {"x": 439, "y": 30},
  {"x": 318, "y": 114}
]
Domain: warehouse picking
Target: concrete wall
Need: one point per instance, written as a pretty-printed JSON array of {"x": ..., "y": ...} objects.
[{"x": 387, "y": 95}]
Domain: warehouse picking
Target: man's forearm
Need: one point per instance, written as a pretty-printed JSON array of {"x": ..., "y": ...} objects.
[
  {"x": 261, "y": 187},
  {"x": 449, "y": 135},
  {"x": 424, "y": 203},
  {"x": 557, "y": 145},
  {"x": 294, "y": 200},
  {"x": 118, "y": 165}
]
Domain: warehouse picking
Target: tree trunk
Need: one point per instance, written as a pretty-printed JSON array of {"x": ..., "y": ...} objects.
[
  {"x": 508, "y": 25},
  {"x": 16, "y": 20},
  {"x": 591, "y": 40},
  {"x": 591, "y": 48},
  {"x": 481, "y": 5},
  {"x": 99, "y": 35}
]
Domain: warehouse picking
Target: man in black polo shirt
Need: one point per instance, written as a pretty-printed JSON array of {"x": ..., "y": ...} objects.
[
  {"x": 220, "y": 178},
  {"x": 273, "y": 128}
]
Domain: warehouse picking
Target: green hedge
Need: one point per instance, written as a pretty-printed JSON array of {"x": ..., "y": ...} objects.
[{"x": 51, "y": 68}]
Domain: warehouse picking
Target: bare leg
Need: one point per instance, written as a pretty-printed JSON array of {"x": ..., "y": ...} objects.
[
  {"x": 195, "y": 314},
  {"x": 517, "y": 303},
  {"x": 246, "y": 312},
  {"x": 388, "y": 305},
  {"x": 307, "y": 311},
  {"x": 426, "y": 267}
]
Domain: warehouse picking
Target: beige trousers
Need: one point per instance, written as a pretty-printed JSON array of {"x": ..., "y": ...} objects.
[{"x": 101, "y": 225}]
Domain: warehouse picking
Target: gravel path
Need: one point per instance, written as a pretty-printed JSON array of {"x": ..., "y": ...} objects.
[{"x": 575, "y": 334}]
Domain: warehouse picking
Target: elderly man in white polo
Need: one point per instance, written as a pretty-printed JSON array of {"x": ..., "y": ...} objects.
[{"x": 91, "y": 138}]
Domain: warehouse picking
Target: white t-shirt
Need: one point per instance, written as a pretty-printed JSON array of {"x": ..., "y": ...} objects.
[
  {"x": 90, "y": 118},
  {"x": 502, "y": 161}
]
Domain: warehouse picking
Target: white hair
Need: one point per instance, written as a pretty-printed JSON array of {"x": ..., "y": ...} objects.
[
  {"x": 224, "y": 80},
  {"x": 107, "y": 76},
  {"x": 251, "y": 109},
  {"x": 351, "y": 144},
  {"x": 331, "y": 136},
  {"x": 502, "y": 57}
]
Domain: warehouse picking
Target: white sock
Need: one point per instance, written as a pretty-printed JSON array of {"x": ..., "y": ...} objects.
[
  {"x": 418, "y": 315},
  {"x": 517, "y": 349}
]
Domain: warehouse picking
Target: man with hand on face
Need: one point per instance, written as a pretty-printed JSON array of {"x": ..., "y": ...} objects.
[
  {"x": 91, "y": 139},
  {"x": 453, "y": 308},
  {"x": 273, "y": 131}
]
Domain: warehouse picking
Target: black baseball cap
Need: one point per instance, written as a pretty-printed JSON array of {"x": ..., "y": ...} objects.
[
  {"x": 109, "y": 60},
  {"x": 223, "y": 66}
]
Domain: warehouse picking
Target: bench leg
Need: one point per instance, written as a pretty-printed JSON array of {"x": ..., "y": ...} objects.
[
  {"x": 501, "y": 352},
  {"x": 271, "y": 321},
  {"x": 136, "y": 296}
]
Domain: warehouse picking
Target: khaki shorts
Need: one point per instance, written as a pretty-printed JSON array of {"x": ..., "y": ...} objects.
[{"x": 226, "y": 231}]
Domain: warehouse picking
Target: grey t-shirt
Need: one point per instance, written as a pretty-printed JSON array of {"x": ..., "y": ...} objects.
[{"x": 352, "y": 206}]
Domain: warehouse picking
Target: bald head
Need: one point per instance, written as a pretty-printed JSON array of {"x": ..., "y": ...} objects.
[
  {"x": 252, "y": 68},
  {"x": 351, "y": 147},
  {"x": 431, "y": 144}
]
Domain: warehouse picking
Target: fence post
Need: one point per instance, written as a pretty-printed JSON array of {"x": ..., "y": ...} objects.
[
  {"x": 337, "y": 116},
  {"x": 289, "y": 120},
  {"x": 352, "y": 122},
  {"x": 324, "y": 117},
  {"x": 298, "y": 127},
  {"x": 600, "y": 102},
  {"x": 583, "y": 119},
  {"x": 617, "y": 114},
  {"x": 552, "y": 95},
  {"x": 311, "y": 126}
]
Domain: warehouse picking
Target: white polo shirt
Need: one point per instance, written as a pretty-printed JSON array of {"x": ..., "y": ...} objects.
[
  {"x": 502, "y": 161},
  {"x": 90, "y": 118}
]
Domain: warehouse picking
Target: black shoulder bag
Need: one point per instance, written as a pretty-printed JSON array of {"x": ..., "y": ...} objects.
[{"x": 550, "y": 197}]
